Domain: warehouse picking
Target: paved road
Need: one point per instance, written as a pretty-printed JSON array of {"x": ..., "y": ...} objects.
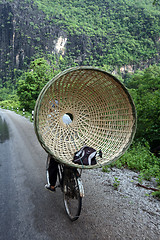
[{"x": 29, "y": 212}]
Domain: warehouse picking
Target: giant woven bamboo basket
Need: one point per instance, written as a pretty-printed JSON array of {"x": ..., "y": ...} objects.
[{"x": 101, "y": 110}]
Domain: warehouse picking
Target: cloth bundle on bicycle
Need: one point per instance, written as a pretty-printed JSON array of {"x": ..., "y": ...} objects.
[{"x": 85, "y": 156}]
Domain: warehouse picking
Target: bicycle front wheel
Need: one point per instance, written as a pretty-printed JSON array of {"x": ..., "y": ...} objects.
[{"x": 71, "y": 194}]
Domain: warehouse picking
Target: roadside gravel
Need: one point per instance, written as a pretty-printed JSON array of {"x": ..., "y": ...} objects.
[{"x": 131, "y": 211}]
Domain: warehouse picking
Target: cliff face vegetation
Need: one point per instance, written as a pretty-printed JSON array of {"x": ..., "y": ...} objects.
[{"x": 122, "y": 35}]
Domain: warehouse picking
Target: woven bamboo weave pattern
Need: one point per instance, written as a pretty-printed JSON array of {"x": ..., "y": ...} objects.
[{"x": 101, "y": 110}]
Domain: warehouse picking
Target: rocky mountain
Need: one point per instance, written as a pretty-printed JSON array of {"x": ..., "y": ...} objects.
[{"x": 115, "y": 33}]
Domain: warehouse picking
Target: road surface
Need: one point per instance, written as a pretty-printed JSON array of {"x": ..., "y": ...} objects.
[{"x": 29, "y": 212}]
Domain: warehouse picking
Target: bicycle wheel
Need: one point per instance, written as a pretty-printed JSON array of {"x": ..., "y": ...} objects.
[
  {"x": 60, "y": 176},
  {"x": 71, "y": 194}
]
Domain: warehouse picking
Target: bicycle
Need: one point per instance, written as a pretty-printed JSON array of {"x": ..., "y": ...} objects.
[{"x": 70, "y": 183}]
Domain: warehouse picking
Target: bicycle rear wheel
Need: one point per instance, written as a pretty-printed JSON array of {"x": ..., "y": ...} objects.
[{"x": 71, "y": 195}]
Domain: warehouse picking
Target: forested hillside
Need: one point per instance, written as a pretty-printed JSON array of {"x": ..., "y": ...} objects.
[
  {"x": 122, "y": 35},
  {"x": 115, "y": 32}
]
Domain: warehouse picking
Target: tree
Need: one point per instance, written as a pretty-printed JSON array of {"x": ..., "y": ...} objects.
[
  {"x": 31, "y": 82},
  {"x": 156, "y": 2},
  {"x": 146, "y": 93}
]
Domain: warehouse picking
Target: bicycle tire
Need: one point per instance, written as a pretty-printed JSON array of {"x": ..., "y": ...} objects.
[
  {"x": 60, "y": 176},
  {"x": 71, "y": 195}
]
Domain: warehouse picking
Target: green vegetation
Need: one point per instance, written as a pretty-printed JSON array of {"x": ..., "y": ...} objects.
[
  {"x": 139, "y": 158},
  {"x": 145, "y": 88},
  {"x": 12, "y": 103},
  {"x": 115, "y": 33},
  {"x": 116, "y": 183},
  {"x": 31, "y": 82}
]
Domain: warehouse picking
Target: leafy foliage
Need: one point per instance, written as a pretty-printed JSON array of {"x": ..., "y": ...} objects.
[
  {"x": 32, "y": 82},
  {"x": 107, "y": 32},
  {"x": 11, "y": 103},
  {"x": 145, "y": 89},
  {"x": 139, "y": 158}
]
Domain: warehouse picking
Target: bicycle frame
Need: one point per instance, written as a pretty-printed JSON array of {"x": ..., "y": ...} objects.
[{"x": 61, "y": 171}]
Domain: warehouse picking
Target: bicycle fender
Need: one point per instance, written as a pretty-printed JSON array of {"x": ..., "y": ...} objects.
[{"x": 81, "y": 188}]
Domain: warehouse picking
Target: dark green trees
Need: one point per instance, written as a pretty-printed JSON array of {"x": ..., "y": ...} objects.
[
  {"x": 32, "y": 82},
  {"x": 145, "y": 89}
]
